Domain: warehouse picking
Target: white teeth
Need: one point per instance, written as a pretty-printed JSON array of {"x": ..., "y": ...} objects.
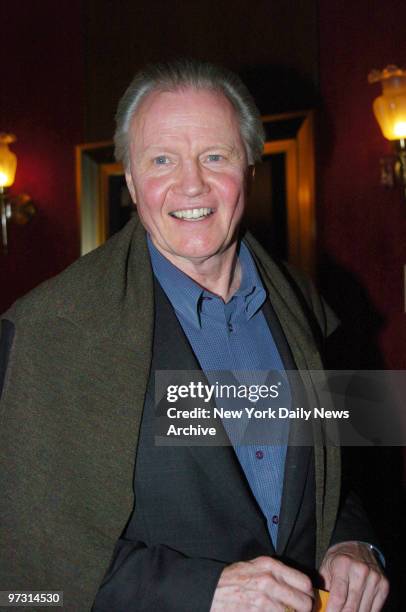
[{"x": 192, "y": 213}]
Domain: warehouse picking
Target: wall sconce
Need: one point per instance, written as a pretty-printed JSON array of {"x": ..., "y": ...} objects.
[
  {"x": 390, "y": 112},
  {"x": 20, "y": 208}
]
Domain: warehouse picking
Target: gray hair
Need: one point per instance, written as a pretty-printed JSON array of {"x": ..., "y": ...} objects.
[{"x": 180, "y": 74}]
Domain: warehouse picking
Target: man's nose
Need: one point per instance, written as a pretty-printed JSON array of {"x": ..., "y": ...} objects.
[{"x": 191, "y": 180}]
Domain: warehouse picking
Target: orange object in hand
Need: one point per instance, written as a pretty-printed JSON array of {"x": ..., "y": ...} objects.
[{"x": 321, "y": 599}]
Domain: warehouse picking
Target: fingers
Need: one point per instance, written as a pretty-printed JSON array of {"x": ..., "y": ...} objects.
[
  {"x": 380, "y": 591},
  {"x": 286, "y": 585},
  {"x": 364, "y": 591},
  {"x": 262, "y": 584},
  {"x": 280, "y": 592},
  {"x": 232, "y": 599},
  {"x": 290, "y": 576},
  {"x": 354, "y": 579},
  {"x": 347, "y": 585}
]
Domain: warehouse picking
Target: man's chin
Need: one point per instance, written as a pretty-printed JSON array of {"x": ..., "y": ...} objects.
[
  {"x": 193, "y": 253},
  {"x": 190, "y": 252}
]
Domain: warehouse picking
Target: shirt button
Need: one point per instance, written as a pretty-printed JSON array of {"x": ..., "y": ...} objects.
[
  {"x": 259, "y": 454},
  {"x": 230, "y": 327},
  {"x": 275, "y": 519}
]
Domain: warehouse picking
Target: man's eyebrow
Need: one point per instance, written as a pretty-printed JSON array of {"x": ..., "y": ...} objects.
[
  {"x": 153, "y": 150},
  {"x": 220, "y": 146},
  {"x": 232, "y": 149},
  {"x": 165, "y": 148}
]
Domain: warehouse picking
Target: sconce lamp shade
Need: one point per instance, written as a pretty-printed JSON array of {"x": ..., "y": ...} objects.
[
  {"x": 390, "y": 107},
  {"x": 8, "y": 160}
]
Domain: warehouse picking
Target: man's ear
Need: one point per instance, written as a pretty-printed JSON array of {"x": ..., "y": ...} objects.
[{"x": 130, "y": 185}]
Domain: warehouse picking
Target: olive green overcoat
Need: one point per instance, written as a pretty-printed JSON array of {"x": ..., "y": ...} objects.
[{"x": 71, "y": 408}]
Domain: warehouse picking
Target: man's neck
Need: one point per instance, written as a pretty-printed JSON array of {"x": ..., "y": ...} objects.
[{"x": 219, "y": 274}]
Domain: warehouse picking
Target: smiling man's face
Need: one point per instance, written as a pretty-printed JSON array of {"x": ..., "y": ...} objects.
[{"x": 188, "y": 172}]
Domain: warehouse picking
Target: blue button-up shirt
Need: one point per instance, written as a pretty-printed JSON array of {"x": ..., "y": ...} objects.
[{"x": 235, "y": 337}]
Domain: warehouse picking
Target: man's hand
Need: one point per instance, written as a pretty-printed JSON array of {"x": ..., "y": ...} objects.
[
  {"x": 262, "y": 585},
  {"x": 354, "y": 578}
]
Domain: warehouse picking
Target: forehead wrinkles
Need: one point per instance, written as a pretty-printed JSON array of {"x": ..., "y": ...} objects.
[{"x": 185, "y": 116}]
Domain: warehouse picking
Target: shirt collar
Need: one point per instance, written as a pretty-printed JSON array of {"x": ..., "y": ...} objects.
[
  {"x": 185, "y": 294},
  {"x": 251, "y": 288}
]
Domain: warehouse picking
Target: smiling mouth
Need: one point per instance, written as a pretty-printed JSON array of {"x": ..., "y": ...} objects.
[{"x": 192, "y": 214}]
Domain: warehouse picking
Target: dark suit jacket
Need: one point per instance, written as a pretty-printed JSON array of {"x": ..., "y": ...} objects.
[
  {"x": 211, "y": 518},
  {"x": 76, "y": 381}
]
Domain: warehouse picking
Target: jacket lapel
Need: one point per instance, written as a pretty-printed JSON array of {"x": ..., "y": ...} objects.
[
  {"x": 296, "y": 471},
  {"x": 297, "y": 457},
  {"x": 301, "y": 340}
]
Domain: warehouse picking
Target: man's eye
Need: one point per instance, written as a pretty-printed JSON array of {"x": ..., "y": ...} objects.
[
  {"x": 161, "y": 160},
  {"x": 214, "y": 157}
]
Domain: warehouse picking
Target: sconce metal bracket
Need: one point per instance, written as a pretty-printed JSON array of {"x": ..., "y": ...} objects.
[
  {"x": 400, "y": 169},
  {"x": 393, "y": 168},
  {"x": 388, "y": 173},
  {"x": 19, "y": 209}
]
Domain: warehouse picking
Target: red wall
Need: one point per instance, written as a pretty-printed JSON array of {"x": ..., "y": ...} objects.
[
  {"x": 362, "y": 226},
  {"x": 362, "y": 232},
  {"x": 41, "y": 101}
]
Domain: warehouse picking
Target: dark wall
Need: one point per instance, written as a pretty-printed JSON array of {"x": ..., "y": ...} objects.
[
  {"x": 362, "y": 235},
  {"x": 273, "y": 42},
  {"x": 41, "y": 101},
  {"x": 362, "y": 226}
]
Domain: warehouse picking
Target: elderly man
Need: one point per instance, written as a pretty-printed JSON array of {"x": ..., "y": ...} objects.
[{"x": 89, "y": 504}]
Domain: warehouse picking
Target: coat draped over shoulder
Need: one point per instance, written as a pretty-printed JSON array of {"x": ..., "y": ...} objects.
[{"x": 71, "y": 408}]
